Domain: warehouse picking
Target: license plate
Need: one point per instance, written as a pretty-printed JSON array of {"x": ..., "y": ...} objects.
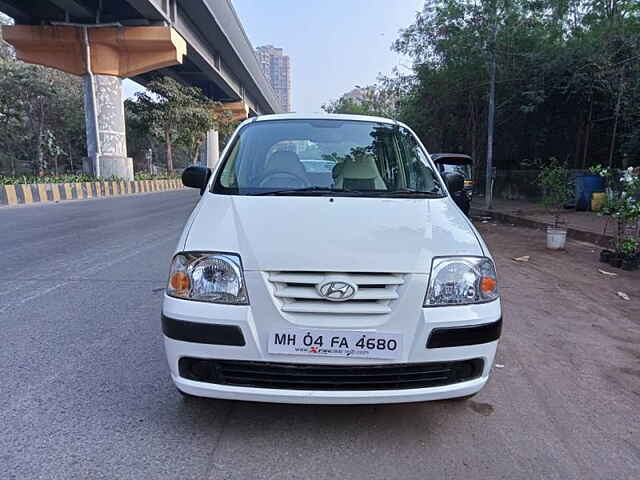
[{"x": 330, "y": 343}]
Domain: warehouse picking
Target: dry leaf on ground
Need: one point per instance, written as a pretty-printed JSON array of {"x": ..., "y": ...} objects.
[
  {"x": 609, "y": 274},
  {"x": 624, "y": 296}
]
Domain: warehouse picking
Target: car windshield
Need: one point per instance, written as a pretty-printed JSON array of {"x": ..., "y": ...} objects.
[{"x": 326, "y": 157}]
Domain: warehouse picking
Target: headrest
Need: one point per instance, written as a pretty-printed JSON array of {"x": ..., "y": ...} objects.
[
  {"x": 361, "y": 167},
  {"x": 359, "y": 172},
  {"x": 285, "y": 160}
]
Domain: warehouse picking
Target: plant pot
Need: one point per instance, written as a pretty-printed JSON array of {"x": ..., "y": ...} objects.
[
  {"x": 556, "y": 238},
  {"x": 605, "y": 255},
  {"x": 615, "y": 261},
  {"x": 628, "y": 264}
]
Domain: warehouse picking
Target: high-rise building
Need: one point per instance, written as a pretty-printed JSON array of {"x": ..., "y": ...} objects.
[{"x": 277, "y": 68}]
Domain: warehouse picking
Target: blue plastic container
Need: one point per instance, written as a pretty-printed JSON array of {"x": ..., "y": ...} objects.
[{"x": 586, "y": 185}]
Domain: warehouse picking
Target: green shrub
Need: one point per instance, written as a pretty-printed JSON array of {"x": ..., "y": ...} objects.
[
  {"x": 553, "y": 178},
  {"x": 47, "y": 179},
  {"x": 149, "y": 176},
  {"x": 74, "y": 179}
]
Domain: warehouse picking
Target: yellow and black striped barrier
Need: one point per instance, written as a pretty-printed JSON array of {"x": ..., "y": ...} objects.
[{"x": 22, "y": 193}]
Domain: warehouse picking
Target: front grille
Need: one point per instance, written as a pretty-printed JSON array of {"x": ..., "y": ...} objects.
[
  {"x": 296, "y": 292},
  {"x": 329, "y": 377}
]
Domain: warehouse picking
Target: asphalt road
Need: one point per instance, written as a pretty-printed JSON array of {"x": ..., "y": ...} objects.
[{"x": 85, "y": 391}]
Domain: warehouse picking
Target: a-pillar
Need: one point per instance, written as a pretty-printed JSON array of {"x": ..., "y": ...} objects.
[{"x": 106, "y": 134}]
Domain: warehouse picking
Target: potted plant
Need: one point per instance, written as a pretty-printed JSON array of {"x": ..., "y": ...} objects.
[
  {"x": 623, "y": 205},
  {"x": 606, "y": 207},
  {"x": 629, "y": 253},
  {"x": 606, "y": 255},
  {"x": 553, "y": 179}
]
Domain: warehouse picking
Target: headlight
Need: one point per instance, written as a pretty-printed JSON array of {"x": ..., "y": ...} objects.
[
  {"x": 208, "y": 277},
  {"x": 461, "y": 281}
]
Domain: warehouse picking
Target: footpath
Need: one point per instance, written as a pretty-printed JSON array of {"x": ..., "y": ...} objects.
[{"x": 582, "y": 226}]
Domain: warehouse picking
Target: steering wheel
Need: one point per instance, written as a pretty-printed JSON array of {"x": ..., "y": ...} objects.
[{"x": 264, "y": 180}]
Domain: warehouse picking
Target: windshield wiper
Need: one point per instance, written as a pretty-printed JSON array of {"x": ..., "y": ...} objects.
[
  {"x": 405, "y": 192},
  {"x": 307, "y": 190},
  {"x": 401, "y": 192}
]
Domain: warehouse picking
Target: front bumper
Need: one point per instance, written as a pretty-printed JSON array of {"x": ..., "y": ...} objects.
[
  {"x": 357, "y": 397},
  {"x": 223, "y": 332}
]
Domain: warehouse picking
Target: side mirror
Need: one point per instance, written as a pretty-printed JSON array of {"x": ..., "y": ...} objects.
[
  {"x": 196, "y": 177},
  {"x": 455, "y": 182}
]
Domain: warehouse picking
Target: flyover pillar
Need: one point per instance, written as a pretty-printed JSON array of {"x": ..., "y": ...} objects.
[
  {"x": 212, "y": 148},
  {"x": 106, "y": 133},
  {"x": 223, "y": 112},
  {"x": 103, "y": 55}
]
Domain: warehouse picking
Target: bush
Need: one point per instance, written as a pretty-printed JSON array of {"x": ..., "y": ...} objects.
[
  {"x": 47, "y": 179},
  {"x": 74, "y": 179},
  {"x": 554, "y": 182},
  {"x": 553, "y": 179},
  {"x": 623, "y": 205},
  {"x": 149, "y": 176}
]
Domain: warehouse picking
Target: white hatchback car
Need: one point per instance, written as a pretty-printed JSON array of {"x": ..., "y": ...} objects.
[{"x": 357, "y": 282}]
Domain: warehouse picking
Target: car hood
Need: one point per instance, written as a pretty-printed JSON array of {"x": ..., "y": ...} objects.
[{"x": 341, "y": 234}]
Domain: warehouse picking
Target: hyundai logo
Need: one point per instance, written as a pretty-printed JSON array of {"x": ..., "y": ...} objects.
[{"x": 337, "y": 291}]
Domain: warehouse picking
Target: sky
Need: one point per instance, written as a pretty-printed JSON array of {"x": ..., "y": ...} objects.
[{"x": 334, "y": 45}]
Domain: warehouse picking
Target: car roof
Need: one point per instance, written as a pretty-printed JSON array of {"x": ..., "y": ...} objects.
[{"x": 323, "y": 116}]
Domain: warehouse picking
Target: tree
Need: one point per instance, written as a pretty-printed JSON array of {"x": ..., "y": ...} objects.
[
  {"x": 354, "y": 106},
  {"x": 175, "y": 115},
  {"x": 225, "y": 125},
  {"x": 567, "y": 79},
  {"x": 40, "y": 115},
  {"x": 380, "y": 99}
]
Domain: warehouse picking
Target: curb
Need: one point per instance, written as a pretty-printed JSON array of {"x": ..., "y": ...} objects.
[
  {"x": 25, "y": 194},
  {"x": 580, "y": 235}
]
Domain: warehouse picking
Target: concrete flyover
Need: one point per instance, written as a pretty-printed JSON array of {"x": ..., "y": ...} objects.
[{"x": 199, "y": 42}]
